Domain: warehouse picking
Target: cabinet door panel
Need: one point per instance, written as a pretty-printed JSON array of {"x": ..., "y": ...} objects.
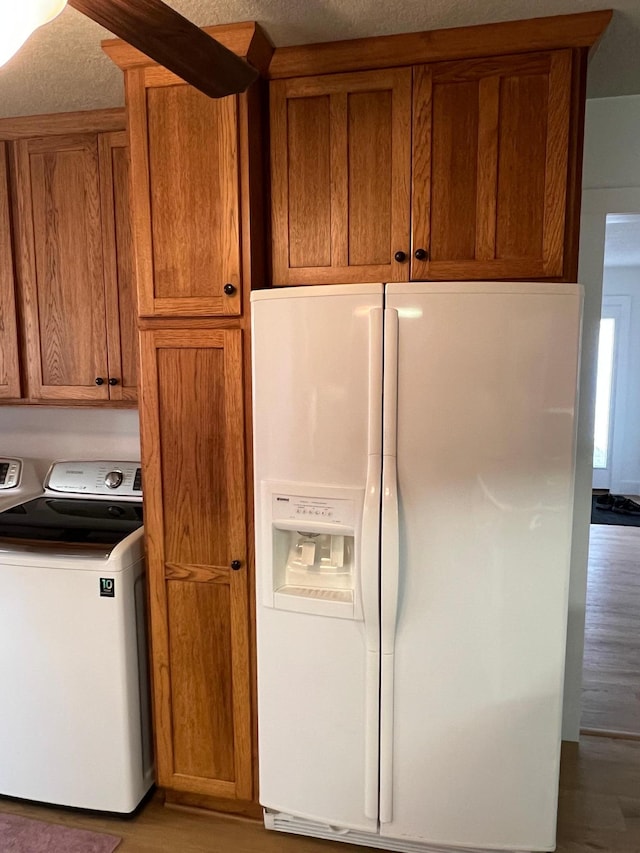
[
  {"x": 490, "y": 149},
  {"x": 200, "y": 654},
  {"x": 119, "y": 272},
  {"x": 58, "y": 195},
  {"x": 340, "y": 177},
  {"x": 309, "y": 178},
  {"x": 193, "y": 458},
  {"x": 186, "y": 185},
  {"x": 9, "y": 365}
]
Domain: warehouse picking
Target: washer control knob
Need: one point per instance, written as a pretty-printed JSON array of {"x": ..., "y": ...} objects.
[{"x": 113, "y": 479}]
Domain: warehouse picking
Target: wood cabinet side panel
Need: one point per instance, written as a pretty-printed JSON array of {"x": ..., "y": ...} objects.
[
  {"x": 557, "y": 161},
  {"x": 9, "y": 362}
]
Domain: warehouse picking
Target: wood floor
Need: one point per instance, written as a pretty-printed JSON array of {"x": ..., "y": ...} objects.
[
  {"x": 611, "y": 672},
  {"x": 599, "y": 810}
]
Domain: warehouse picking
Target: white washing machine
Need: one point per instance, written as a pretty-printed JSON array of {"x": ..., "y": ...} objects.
[
  {"x": 19, "y": 481},
  {"x": 75, "y": 722}
]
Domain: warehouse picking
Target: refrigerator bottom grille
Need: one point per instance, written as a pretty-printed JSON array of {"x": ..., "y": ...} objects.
[{"x": 282, "y": 822}]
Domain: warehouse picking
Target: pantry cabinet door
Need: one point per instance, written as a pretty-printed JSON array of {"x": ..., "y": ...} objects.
[
  {"x": 490, "y": 160},
  {"x": 119, "y": 270},
  {"x": 341, "y": 168},
  {"x": 9, "y": 364},
  {"x": 59, "y": 254},
  {"x": 193, "y": 457},
  {"x": 185, "y": 168}
]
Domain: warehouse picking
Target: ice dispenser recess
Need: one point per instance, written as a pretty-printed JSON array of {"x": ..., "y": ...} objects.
[{"x": 313, "y": 554}]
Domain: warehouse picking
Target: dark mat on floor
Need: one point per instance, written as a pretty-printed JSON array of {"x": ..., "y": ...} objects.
[
  {"x": 615, "y": 514},
  {"x": 22, "y": 835}
]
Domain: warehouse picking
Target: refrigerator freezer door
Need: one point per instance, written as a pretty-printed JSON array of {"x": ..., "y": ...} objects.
[
  {"x": 487, "y": 380},
  {"x": 317, "y": 390}
]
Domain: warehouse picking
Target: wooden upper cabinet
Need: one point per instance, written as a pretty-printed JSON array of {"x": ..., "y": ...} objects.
[
  {"x": 490, "y": 167},
  {"x": 9, "y": 364},
  {"x": 466, "y": 169},
  {"x": 75, "y": 266},
  {"x": 195, "y": 522},
  {"x": 341, "y": 170},
  {"x": 61, "y": 267},
  {"x": 184, "y": 149},
  {"x": 119, "y": 271}
]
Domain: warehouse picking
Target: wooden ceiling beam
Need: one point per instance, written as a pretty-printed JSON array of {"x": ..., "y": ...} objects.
[{"x": 172, "y": 41}]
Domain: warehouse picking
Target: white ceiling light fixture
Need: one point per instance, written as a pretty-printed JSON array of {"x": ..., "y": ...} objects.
[{"x": 19, "y": 19}]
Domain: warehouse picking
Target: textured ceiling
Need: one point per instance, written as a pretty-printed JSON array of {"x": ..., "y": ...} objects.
[{"x": 63, "y": 68}]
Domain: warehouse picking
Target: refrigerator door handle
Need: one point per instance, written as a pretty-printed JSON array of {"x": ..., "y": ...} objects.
[
  {"x": 374, "y": 440},
  {"x": 389, "y": 610},
  {"x": 369, "y": 567},
  {"x": 390, "y": 561},
  {"x": 390, "y": 388},
  {"x": 370, "y": 564}
]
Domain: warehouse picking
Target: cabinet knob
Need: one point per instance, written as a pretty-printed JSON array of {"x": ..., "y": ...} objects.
[
  {"x": 421, "y": 255},
  {"x": 400, "y": 257},
  {"x": 235, "y": 565},
  {"x": 99, "y": 380},
  {"x": 229, "y": 289},
  {"x": 113, "y": 381}
]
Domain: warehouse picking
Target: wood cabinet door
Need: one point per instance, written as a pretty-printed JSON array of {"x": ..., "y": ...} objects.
[
  {"x": 490, "y": 160},
  {"x": 9, "y": 364},
  {"x": 59, "y": 258},
  {"x": 119, "y": 271},
  {"x": 185, "y": 171},
  {"x": 193, "y": 461},
  {"x": 340, "y": 180}
]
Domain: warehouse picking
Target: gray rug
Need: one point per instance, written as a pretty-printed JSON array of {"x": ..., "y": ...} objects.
[{"x": 23, "y": 835}]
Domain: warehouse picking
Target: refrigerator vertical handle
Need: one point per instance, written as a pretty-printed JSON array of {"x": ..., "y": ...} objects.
[
  {"x": 374, "y": 439},
  {"x": 370, "y": 565},
  {"x": 390, "y": 561},
  {"x": 390, "y": 574},
  {"x": 390, "y": 389}
]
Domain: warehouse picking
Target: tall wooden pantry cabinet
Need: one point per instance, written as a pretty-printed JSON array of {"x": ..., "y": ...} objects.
[{"x": 198, "y": 218}]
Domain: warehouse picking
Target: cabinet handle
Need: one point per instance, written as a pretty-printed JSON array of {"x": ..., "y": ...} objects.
[
  {"x": 421, "y": 255},
  {"x": 99, "y": 380},
  {"x": 229, "y": 289},
  {"x": 113, "y": 381},
  {"x": 235, "y": 565},
  {"x": 400, "y": 257}
]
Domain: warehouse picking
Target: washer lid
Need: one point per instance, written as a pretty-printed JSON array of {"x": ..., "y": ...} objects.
[{"x": 50, "y": 523}]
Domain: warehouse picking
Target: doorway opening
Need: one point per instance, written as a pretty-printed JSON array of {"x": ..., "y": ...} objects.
[{"x": 611, "y": 666}]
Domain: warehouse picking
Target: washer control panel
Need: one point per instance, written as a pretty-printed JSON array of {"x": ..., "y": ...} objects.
[
  {"x": 10, "y": 470},
  {"x": 96, "y": 478}
]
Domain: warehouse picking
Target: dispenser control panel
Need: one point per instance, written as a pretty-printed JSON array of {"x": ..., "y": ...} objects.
[{"x": 327, "y": 510}]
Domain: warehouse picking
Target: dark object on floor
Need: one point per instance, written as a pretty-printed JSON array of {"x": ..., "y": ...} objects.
[
  {"x": 23, "y": 835},
  {"x": 615, "y": 509}
]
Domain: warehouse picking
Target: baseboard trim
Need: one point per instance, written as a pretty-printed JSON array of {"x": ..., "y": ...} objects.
[{"x": 611, "y": 733}]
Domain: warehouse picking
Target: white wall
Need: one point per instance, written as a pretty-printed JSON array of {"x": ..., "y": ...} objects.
[
  {"x": 621, "y": 285},
  {"x": 611, "y": 184},
  {"x": 47, "y": 432}
]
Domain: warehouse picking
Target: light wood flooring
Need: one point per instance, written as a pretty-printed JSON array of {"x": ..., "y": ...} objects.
[
  {"x": 599, "y": 810},
  {"x": 611, "y": 672}
]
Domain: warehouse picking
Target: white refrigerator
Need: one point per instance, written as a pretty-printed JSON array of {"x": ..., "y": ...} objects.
[{"x": 414, "y": 465}]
